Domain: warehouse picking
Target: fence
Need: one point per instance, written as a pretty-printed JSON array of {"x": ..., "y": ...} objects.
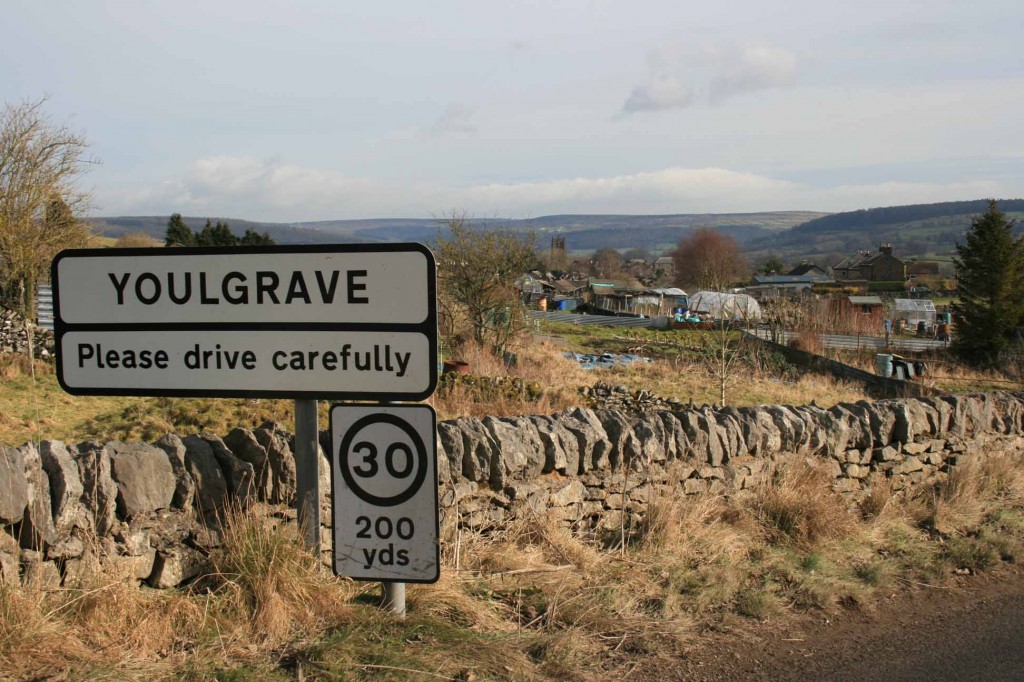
[
  {"x": 876, "y": 385},
  {"x": 44, "y": 306},
  {"x": 599, "y": 320},
  {"x": 860, "y": 342}
]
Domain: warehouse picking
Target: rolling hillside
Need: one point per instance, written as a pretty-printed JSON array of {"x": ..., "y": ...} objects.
[
  {"x": 922, "y": 230},
  {"x": 582, "y": 232}
]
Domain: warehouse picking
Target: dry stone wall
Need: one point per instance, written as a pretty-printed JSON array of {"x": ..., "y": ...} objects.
[{"x": 153, "y": 512}]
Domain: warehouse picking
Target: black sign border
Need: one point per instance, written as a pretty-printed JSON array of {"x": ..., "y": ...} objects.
[
  {"x": 431, "y": 445},
  {"x": 427, "y": 327}
]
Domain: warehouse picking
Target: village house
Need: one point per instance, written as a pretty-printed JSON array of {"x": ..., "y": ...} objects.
[{"x": 870, "y": 266}]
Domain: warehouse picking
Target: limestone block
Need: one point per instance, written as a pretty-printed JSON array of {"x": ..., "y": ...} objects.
[
  {"x": 450, "y": 449},
  {"x": 916, "y": 448},
  {"x": 42, "y": 575},
  {"x": 280, "y": 457},
  {"x": 37, "y": 529},
  {"x": 520, "y": 453},
  {"x": 66, "y": 488},
  {"x": 238, "y": 474},
  {"x": 554, "y": 453},
  {"x": 244, "y": 446},
  {"x": 144, "y": 477},
  {"x": 886, "y": 454},
  {"x": 573, "y": 492},
  {"x": 911, "y": 464},
  {"x": 99, "y": 489},
  {"x": 694, "y": 485},
  {"x": 174, "y": 566},
  {"x": 184, "y": 487},
  {"x": 856, "y": 470},
  {"x": 211, "y": 486},
  {"x": 13, "y": 485}
]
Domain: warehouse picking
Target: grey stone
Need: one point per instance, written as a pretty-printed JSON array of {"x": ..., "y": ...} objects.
[
  {"x": 66, "y": 488},
  {"x": 13, "y": 485},
  {"x": 625, "y": 446},
  {"x": 592, "y": 442},
  {"x": 244, "y": 446},
  {"x": 144, "y": 477},
  {"x": 10, "y": 573},
  {"x": 574, "y": 492},
  {"x": 41, "y": 575},
  {"x": 99, "y": 489},
  {"x": 555, "y": 457},
  {"x": 886, "y": 454},
  {"x": 238, "y": 474},
  {"x": 184, "y": 487},
  {"x": 174, "y": 566},
  {"x": 451, "y": 448},
  {"x": 520, "y": 455},
  {"x": 478, "y": 449},
  {"x": 211, "y": 486},
  {"x": 37, "y": 528},
  {"x": 909, "y": 465},
  {"x": 281, "y": 458}
]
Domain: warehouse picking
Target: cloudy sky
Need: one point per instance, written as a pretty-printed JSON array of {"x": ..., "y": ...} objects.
[{"x": 320, "y": 109}]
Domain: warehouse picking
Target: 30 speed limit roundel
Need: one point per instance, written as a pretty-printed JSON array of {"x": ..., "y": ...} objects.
[
  {"x": 383, "y": 460},
  {"x": 384, "y": 492}
]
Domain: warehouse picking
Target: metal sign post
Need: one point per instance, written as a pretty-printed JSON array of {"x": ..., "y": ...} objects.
[{"x": 307, "y": 473}]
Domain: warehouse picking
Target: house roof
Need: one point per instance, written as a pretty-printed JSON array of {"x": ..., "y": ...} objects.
[
  {"x": 865, "y": 300},
  {"x": 805, "y": 269},
  {"x": 668, "y": 291},
  {"x": 664, "y": 260},
  {"x": 789, "y": 279}
]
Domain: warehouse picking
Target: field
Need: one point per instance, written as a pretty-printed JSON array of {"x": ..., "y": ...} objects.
[{"x": 33, "y": 408}]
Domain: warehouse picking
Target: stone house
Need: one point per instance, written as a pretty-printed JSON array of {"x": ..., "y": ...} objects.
[{"x": 871, "y": 266}]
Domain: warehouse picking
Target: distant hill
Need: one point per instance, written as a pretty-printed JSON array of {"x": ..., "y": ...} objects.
[
  {"x": 582, "y": 232},
  {"x": 156, "y": 226},
  {"x": 917, "y": 230}
]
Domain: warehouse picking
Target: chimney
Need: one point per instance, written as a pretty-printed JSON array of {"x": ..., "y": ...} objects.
[{"x": 885, "y": 248}]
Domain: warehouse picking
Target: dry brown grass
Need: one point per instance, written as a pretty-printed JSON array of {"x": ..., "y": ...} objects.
[{"x": 801, "y": 509}]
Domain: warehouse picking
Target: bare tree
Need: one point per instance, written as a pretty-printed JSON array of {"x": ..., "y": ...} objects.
[
  {"x": 40, "y": 205},
  {"x": 709, "y": 260},
  {"x": 477, "y": 269},
  {"x": 724, "y": 346}
]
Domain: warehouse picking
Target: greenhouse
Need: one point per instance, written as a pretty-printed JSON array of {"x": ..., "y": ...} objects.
[
  {"x": 913, "y": 311},
  {"x": 725, "y": 306}
]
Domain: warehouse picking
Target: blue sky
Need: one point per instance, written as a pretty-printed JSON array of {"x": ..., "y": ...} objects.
[{"x": 312, "y": 110}]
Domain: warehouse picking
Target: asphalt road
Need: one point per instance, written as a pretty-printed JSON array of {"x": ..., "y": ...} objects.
[{"x": 970, "y": 631}]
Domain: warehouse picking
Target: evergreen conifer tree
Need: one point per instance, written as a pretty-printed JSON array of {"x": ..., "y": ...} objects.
[
  {"x": 178, "y": 233},
  {"x": 990, "y": 280}
]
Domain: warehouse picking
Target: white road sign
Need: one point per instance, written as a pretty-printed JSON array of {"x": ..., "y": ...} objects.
[
  {"x": 340, "y": 321},
  {"x": 384, "y": 490}
]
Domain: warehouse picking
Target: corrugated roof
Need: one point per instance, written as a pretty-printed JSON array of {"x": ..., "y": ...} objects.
[{"x": 865, "y": 300}]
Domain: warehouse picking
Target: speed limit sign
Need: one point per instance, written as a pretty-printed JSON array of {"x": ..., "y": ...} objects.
[{"x": 384, "y": 490}]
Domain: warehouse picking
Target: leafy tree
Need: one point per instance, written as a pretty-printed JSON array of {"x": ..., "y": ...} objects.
[
  {"x": 477, "y": 269},
  {"x": 990, "y": 279},
  {"x": 709, "y": 260},
  {"x": 178, "y": 233},
  {"x": 771, "y": 265},
  {"x": 40, "y": 164}
]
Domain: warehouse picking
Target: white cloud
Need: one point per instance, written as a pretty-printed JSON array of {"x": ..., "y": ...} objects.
[
  {"x": 681, "y": 78},
  {"x": 243, "y": 187},
  {"x": 455, "y": 120}
]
